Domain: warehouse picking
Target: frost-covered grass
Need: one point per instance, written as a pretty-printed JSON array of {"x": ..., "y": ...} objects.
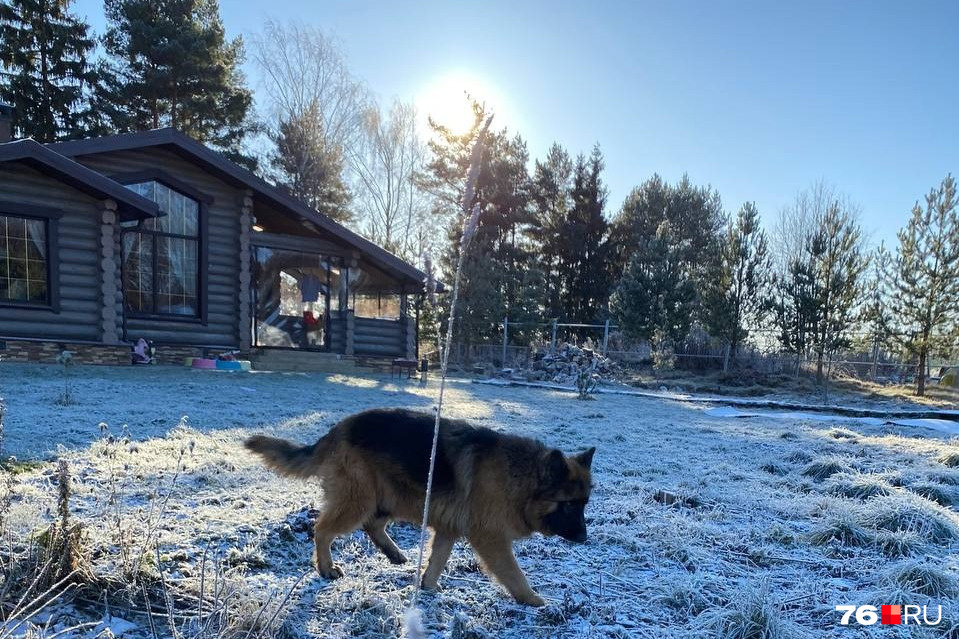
[{"x": 699, "y": 526}]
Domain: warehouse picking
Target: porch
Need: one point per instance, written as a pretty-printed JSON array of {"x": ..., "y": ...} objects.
[{"x": 317, "y": 304}]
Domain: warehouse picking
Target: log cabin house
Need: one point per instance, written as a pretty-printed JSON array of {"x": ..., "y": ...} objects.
[{"x": 152, "y": 234}]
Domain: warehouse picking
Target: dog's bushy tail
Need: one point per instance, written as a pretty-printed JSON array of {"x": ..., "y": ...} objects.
[{"x": 285, "y": 457}]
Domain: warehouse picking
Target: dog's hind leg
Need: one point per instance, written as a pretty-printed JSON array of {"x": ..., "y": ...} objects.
[
  {"x": 496, "y": 552},
  {"x": 376, "y": 529},
  {"x": 441, "y": 545},
  {"x": 335, "y": 520}
]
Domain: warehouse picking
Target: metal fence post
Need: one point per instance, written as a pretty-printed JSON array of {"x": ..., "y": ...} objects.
[
  {"x": 605, "y": 337},
  {"x": 552, "y": 341},
  {"x": 505, "y": 338}
]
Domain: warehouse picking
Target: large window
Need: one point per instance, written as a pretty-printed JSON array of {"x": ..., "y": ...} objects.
[
  {"x": 23, "y": 260},
  {"x": 161, "y": 255}
]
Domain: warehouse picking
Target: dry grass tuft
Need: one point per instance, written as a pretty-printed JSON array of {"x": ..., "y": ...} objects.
[
  {"x": 942, "y": 495},
  {"x": 843, "y": 529},
  {"x": 922, "y": 578},
  {"x": 825, "y": 467},
  {"x": 904, "y": 511},
  {"x": 858, "y": 485},
  {"x": 752, "y": 614},
  {"x": 950, "y": 459},
  {"x": 842, "y": 433},
  {"x": 898, "y": 543}
]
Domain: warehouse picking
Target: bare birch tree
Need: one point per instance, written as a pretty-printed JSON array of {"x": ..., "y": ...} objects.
[
  {"x": 384, "y": 162},
  {"x": 302, "y": 66}
]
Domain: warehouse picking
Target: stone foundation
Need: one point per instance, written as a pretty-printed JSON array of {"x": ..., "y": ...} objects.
[
  {"x": 47, "y": 352},
  {"x": 176, "y": 354},
  {"x": 42, "y": 352}
]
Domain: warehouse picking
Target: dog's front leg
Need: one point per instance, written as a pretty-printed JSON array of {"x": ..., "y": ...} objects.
[
  {"x": 441, "y": 545},
  {"x": 496, "y": 552}
]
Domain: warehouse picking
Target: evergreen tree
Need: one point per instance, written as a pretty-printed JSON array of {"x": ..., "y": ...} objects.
[
  {"x": 583, "y": 251},
  {"x": 170, "y": 64},
  {"x": 875, "y": 314},
  {"x": 924, "y": 278},
  {"x": 307, "y": 168},
  {"x": 696, "y": 219},
  {"x": 551, "y": 185},
  {"x": 44, "y": 57},
  {"x": 740, "y": 301},
  {"x": 492, "y": 281},
  {"x": 819, "y": 290},
  {"x": 656, "y": 294}
]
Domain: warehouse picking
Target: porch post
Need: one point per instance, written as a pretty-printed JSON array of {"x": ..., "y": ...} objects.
[
  {"x": 244, "y": 326},
  {"x": 409, "y": 326},
  {"x": 345, "y": 306},
  {"x": 111, "y": 295}
]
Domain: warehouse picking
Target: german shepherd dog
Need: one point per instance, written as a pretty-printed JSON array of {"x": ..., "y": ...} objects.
[{"x": 489, "y": 487}]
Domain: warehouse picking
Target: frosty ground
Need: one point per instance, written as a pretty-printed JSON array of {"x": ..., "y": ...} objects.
[{"x": 700, "y": 525}]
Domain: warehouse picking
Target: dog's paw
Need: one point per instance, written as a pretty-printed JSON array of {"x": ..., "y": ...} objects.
[
  {"x": 427, "y": 584},
  {"x": 397, "y": 558},
  {"x": 532, "y": 599},
  {"x": 334, "y": 572}
]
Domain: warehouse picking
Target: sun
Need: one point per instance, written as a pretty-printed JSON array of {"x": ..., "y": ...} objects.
[{"x": 447, "y": 100}]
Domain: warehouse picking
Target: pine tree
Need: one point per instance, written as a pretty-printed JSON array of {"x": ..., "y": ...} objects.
[
  {"x": 492, "y": 282},
  {"x": 656, "y": 295},
  {"x": 584, "y": 249},
  {"x": 819, "y": 291},
  {"x": 696, "y": 219},
  {"x": 551, "y": 186},
  {"x": 44, "y": 56},
  {"x": 307, "y": 168},
  {"x": 923, "y": 279},
  {"x": 170, "y": 64},
  {"x": 836, "y": 247},
  {"x": 740, "y": 300}
]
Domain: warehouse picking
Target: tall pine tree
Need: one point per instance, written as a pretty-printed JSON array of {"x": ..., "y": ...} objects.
[
  {"x": 551, "y": 185},
  {"x": 696, "y": 221},
  {"x": 583, "y": 252},
  {"x": 656, "y": 294},
  {"x": 306, "y": 168},
  {"x": 45, "y": 68},
  {"x": 170, "y": 64},
  {"x": 492, "y": 284},
  {"x": 740, "y": 299},
  {"x": 924, "y": 278}
]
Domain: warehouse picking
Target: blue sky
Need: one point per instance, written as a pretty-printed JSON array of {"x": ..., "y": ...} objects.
[{"x": 758, "y": 99}]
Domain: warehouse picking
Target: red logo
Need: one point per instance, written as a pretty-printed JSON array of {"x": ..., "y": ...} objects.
[{"x": 891, "y": 615}]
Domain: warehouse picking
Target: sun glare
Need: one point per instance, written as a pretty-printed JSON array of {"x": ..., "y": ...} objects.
[{"x": 447, "y": 100}]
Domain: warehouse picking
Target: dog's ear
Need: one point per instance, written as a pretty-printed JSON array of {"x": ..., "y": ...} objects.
[
  {"x": 585, "y": 459},
  {"x": 554, "y": 470}
]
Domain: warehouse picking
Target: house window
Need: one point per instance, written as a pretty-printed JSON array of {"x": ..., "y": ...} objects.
[
  {"x": 161, "y": 255},
  {"x": 24, "y": 265}
]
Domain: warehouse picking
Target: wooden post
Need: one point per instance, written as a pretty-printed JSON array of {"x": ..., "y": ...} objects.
[
  {"x": 726, "y": 358},
  {"x": 552, "y": 340},
  {"x": 605, "y": 337},
  {"x": 245, "y": 310},
  {"x": 505, "y": 339},
  {"x": 875, "y": 358},
  {"x": 350, "y": 328},
  {"x": 110, "y": 283}
]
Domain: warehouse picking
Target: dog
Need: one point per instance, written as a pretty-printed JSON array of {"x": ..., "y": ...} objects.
[{"x": 491, "y": 488}]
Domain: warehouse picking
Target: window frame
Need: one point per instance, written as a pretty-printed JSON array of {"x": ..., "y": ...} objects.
[
  {"x": 51, "y": 219},
  {"x": 203, "y": 202}
]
